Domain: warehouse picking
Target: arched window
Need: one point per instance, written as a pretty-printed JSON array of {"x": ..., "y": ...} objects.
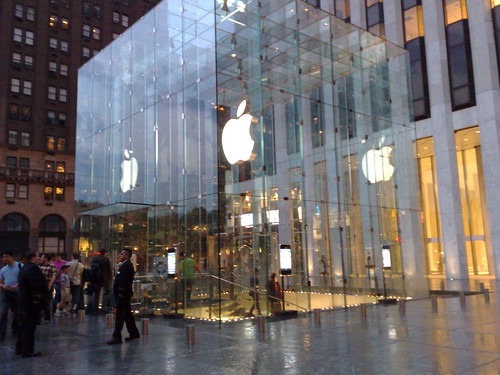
[
  {"x": 14, "y": 233},
  {"x": 52, "y": 234}
]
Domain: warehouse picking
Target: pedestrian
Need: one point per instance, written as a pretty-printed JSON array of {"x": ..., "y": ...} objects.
[
  {"x": 254, "y": 292},
  {"x": 102, "y": 276},
  {"x": 187, "y": 266},
  {"x": 33, "y": 293},
  {"x": 64, "y": 306},
  {"x": 75, "y": 273},
  {"x": 59, "y": 263},
  {"x": 122, "y": 290},
  {"x": 274, "y": 294},
  {"x": 50, "y": 272},
  {"x": 8, "y": 298}
]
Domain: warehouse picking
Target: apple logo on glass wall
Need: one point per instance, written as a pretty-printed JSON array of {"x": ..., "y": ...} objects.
[
  {"x": 130, "y": 168},
  {"x": 377, "y": 165},
  {"x": 237, "y": 142}
]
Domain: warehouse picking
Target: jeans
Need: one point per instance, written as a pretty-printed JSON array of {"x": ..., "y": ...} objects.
[
  {"x": 77, "y": 297},
  {"x": 8, "y": 301}
]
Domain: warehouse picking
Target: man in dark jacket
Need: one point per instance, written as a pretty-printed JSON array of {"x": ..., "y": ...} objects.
[
  {"x": 102, "y": 278},
  {"x": 122, "y": 291},
  {"x": 33, "y": 294}
]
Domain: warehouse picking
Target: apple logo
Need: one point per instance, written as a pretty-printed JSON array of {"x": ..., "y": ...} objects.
[
  {"x": 130, "y": 168},
  {"x": 376, "y": 164},
  {"x": 236, "y": 140}
]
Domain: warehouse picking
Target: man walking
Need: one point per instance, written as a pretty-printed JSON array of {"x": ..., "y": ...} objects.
[
  {"x": 122, "y": 290},
  {"x": 50, "y": 272},
  {"x": 75, "y": 272},
  {"x": 8, "y": 297},
  {"x": 102, "y": 275},
  {"x": 33, "y": 293}
]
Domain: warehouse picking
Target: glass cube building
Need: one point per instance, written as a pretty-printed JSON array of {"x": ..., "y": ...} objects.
[{"x": 251, "y": 135}]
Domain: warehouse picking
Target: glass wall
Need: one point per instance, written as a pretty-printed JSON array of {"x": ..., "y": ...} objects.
[
  {"x": 470, "y": 179},
  {"x": 229, "y": 133}
]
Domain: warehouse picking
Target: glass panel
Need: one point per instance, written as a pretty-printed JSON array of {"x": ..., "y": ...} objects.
[{"x": 472, "y": 198}]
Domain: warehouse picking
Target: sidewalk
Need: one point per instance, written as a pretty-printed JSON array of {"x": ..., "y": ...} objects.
[{"x": 450, "y": 341}]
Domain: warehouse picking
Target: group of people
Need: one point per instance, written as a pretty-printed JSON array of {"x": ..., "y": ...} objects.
[{"x": 38, "y": 288}]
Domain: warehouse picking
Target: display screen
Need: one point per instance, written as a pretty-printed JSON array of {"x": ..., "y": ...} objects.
[
  {"x": 171, "y": 262},
  {"x": 285, "y": 259},
  {"x": 386, "y": 256}
]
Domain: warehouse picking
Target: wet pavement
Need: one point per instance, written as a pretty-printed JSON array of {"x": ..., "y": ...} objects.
[{"x": 456, "y": 339}]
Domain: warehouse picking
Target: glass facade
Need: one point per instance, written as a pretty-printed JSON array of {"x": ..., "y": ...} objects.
[{"x": 233, "y": 133}]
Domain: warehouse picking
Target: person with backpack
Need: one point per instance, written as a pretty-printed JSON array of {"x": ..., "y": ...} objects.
[{"x": 75, "y": 273}]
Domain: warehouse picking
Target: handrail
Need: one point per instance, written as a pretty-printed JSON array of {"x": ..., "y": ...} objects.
[{"x": 254, "y": 290}]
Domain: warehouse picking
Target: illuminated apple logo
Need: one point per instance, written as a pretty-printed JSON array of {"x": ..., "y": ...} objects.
[
  {"x": 236, "y": 140},
  {"x": 376, "y": 164},
  {"x": 130, "y": 168}
]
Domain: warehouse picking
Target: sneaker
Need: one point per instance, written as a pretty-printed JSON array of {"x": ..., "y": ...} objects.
[{"x": 58, "y": 313}]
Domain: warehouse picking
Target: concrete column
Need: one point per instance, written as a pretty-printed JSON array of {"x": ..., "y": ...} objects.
[
  {"x": 358, "y": 13},
  {"x": 488, "y": 115},
  {"x": 444, "y": 143}
]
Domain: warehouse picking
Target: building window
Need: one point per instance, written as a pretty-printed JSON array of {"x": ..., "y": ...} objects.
[
  {"x": 19, "y": 11},
  {"x": 62, "y": 119},
  {"x": 51, "y": 143},
  {"x": 15, "y": 85},
  {"x": 470, "y": 180},
  {"x": 86, "y": 31},
  {"x": 96, "y": 33},
  {"x": 26, "y": 113},
  {"x": 63, "y": 70},
  {"x": 60, "y": 167},
  {"x": 64, "y": 23},
  {"x": 25, "y": 139},
  {"x": 64, "y": 46},
  {"x": 63, "y": 95},
  {"x": 22, "y": 192},
  {"x": 28, "y": 62},
  {"x": 116, "y": 17},
  {"x": 49, "y": 165},
  {"x": 14, "y": 112},
  {"x": 27, "y": 87},
  {"x": 16, "y": 60},
  {"x": 430, "y": 206},
  {"x": 115, "y": 35},
  {"x": 52, "y": 68},
  {"x": 24, "y": 163},
  {"x": 30, "y": 14},
  {"x": 48, "y": 193},
  {"x": 18, "y": 35},
  {"x": 11, "y": 162},
  {"x": 53, "y": 21},
  {"x": 12, "y": 137},
  {"x": 51, "y": 118},
  {"x": 53, "y": 42},
  {"x": 375, "y": 17},
  {"x": 61, "y": 144},
  {"x": 97, "y": 11},
  {"x": 10, "y": 190},
  {"x": 86, "y": 8},
  {"x": 459, "y": 55},
  {"x": 59, "y": 193},
  {"x": 52, "y": 93},
  {"x": 86, "y": 52},
  {"x": 125, "y": 20},
  {"x": 29, "y": 38}
]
